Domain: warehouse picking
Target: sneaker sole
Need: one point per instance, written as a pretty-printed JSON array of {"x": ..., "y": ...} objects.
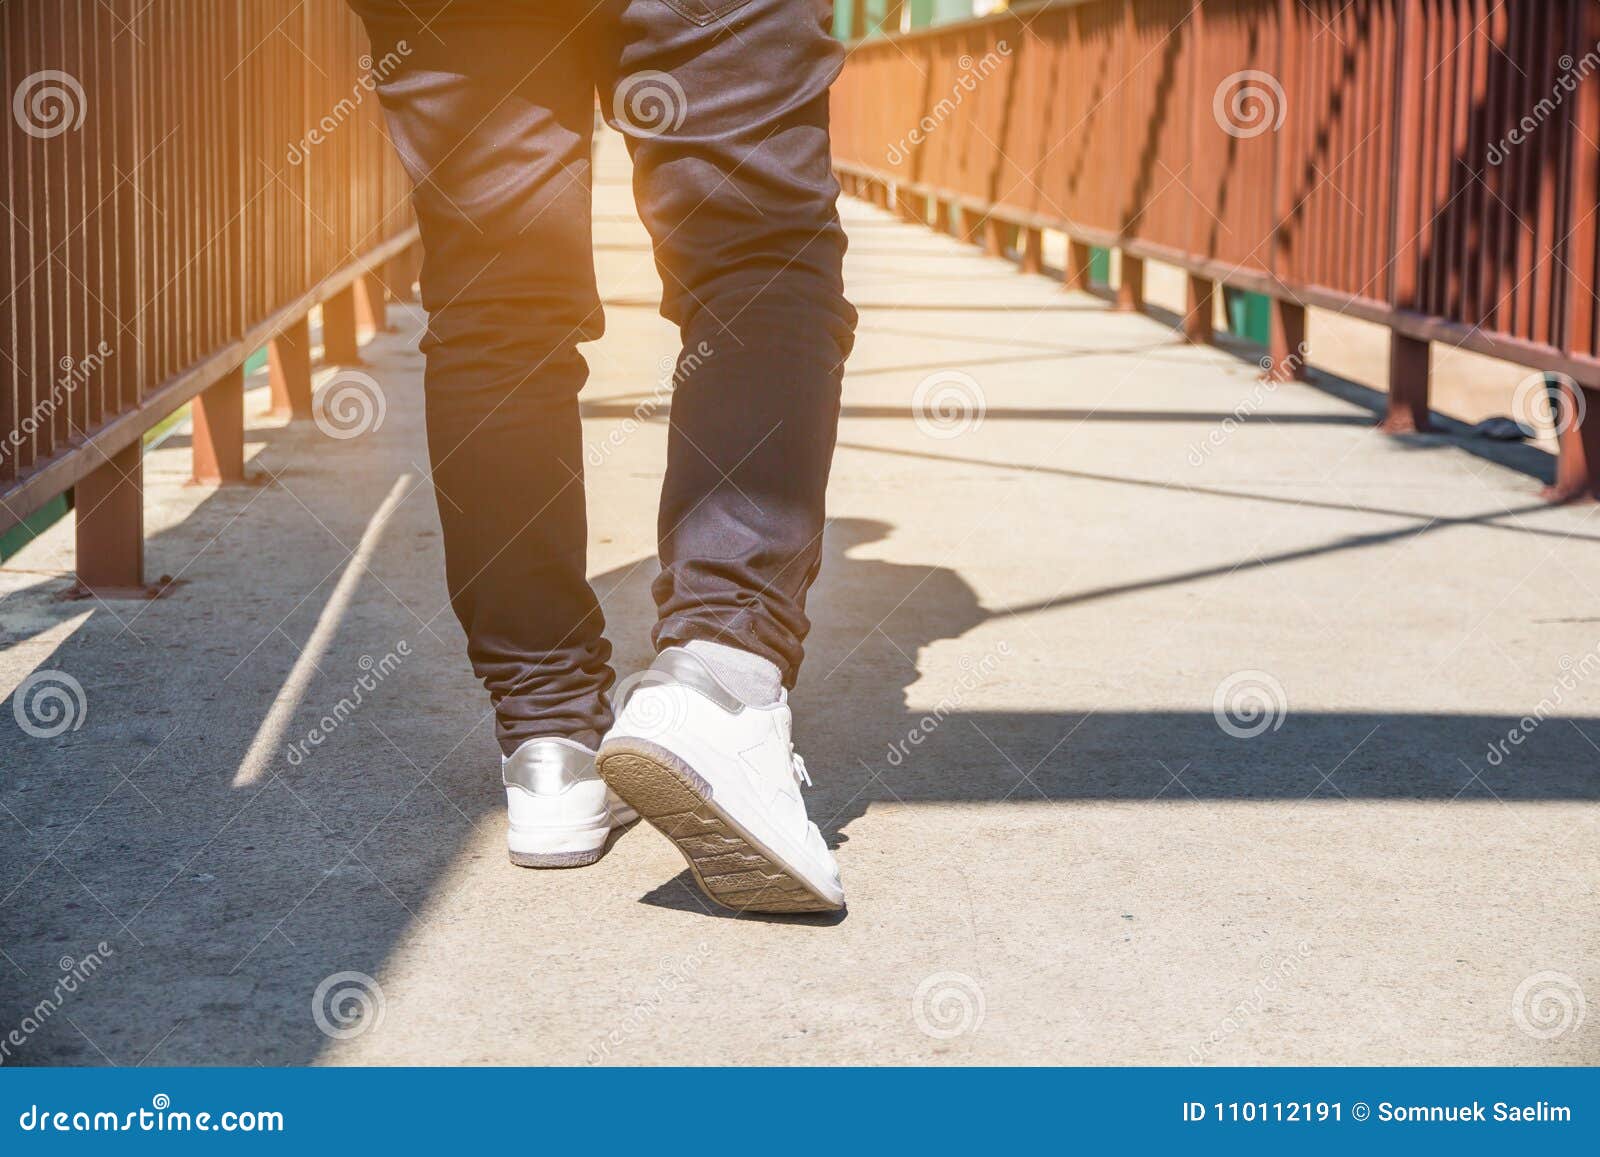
[
  {"x": 556, "y": 859},
  {"x": 731, "y": 866}
]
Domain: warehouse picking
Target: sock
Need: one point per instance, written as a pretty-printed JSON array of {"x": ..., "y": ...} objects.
[{"x": 756, "y": 681}]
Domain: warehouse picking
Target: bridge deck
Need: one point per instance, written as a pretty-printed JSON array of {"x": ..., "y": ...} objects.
[{"x": 1021, "y": 631}]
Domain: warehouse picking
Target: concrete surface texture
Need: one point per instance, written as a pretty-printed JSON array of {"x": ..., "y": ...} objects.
[{"x": 1157, "y": 715}]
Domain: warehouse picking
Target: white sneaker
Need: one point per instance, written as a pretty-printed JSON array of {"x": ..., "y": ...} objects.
[
  {"x": 560, "y": 811},
  {"x": 720, "y": 779}
]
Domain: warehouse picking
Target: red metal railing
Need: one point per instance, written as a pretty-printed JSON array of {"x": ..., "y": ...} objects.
[
  {"x": 183, "y": 181},
  {"x": 1431, "y": 165}
]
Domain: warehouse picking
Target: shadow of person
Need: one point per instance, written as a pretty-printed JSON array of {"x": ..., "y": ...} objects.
[
  {"x": 882, "y": 720},
  {"x": 871, "y": 619}
]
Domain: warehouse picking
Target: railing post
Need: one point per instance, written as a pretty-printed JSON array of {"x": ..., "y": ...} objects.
[
  {"x": 1408, "y": 358},
  {"x": 1286, "y": 343},
  {"x": 994, "y": 243},
  {"x": 970, "y": 228},
  {"x": 1130, "y": 286},
  {"x": 109, "y": 503},
  {"x": 1199, "y": 309},
  {"x": 339, "y": 344},
  {"x": 1032, "y": 250},
  {"x": 1578, "y": 442},
  {"x": 1409, "y": 368},
  {"x": 400, "y": 274},
  {"x": 218, "y": 441},
  {"x": 289, "y": 370},
  {"x": 1076, "y": 274},
  {"x": 942, "y": 216},
  {"x": 371, "y": 307}
]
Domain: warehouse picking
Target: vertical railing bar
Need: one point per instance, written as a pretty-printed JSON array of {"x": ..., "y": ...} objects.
[
  {"x": 1471, "y": 238},
  {"x": 1504, "y": 318},
  {"x": 1441, "y": 209},
  {"x": 1526, "y": 159},
  {"x": 307, "y": 170},
  {"x": 1547, "y": 226},
  {"x": 1460, "y": 169},
  {"x": 1583, "y": 245},
  {"x": 94, "y": 387},
  {"x": 45, "y": 311},
  {"x": 9, "y": 370},
  {"x": 131, "y": 250}
]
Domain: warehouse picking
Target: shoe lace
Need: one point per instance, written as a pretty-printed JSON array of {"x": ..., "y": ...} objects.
[{"x": 799, "y": 767}]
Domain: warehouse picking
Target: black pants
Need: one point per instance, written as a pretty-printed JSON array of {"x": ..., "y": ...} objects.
[{"x": 724, "y": 106}]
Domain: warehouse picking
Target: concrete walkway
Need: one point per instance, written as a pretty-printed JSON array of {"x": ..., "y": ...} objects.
[{"x": 1054, "y": 553}]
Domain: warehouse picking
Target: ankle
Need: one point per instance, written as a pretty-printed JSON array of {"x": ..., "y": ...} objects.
[{"x": 755, "y": 680}]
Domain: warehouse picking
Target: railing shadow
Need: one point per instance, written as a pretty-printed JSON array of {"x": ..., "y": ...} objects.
[{"x": 227, "y": 905}]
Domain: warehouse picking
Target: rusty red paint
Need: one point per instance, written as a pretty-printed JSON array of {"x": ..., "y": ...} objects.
[
  {"x": 1397, "y": 179},
  {"x": 147, "y": 248}
]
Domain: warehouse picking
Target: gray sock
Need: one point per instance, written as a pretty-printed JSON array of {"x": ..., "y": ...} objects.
[{"x": 756, "y": 681}]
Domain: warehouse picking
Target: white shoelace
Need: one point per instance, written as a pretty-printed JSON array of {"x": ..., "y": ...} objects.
[{"x": 799, "y": 767}]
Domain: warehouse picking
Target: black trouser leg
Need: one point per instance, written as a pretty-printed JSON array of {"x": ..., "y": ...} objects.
[
  {"x": 491, "y": 109},
  {"x": 725, "y": 107},
  {"x": 492, "y": 112}
]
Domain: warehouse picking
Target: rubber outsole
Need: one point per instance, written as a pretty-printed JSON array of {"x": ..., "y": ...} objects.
[
  {"x": 730, "y": 865},
  {"x": 557, "y": 859}
]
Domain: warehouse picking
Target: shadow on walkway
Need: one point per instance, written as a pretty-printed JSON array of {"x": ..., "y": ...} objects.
[{"x": 227, "y": 906}]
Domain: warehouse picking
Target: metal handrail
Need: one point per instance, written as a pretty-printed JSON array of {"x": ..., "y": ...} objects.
[
  {"x": 182, "y": 185},
  {"x": 1429, "y": 165}
]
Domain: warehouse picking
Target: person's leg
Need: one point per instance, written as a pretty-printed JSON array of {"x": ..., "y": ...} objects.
[
  {"x": 725, "y": 108},
  {"x": 491, "y": 109}
]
